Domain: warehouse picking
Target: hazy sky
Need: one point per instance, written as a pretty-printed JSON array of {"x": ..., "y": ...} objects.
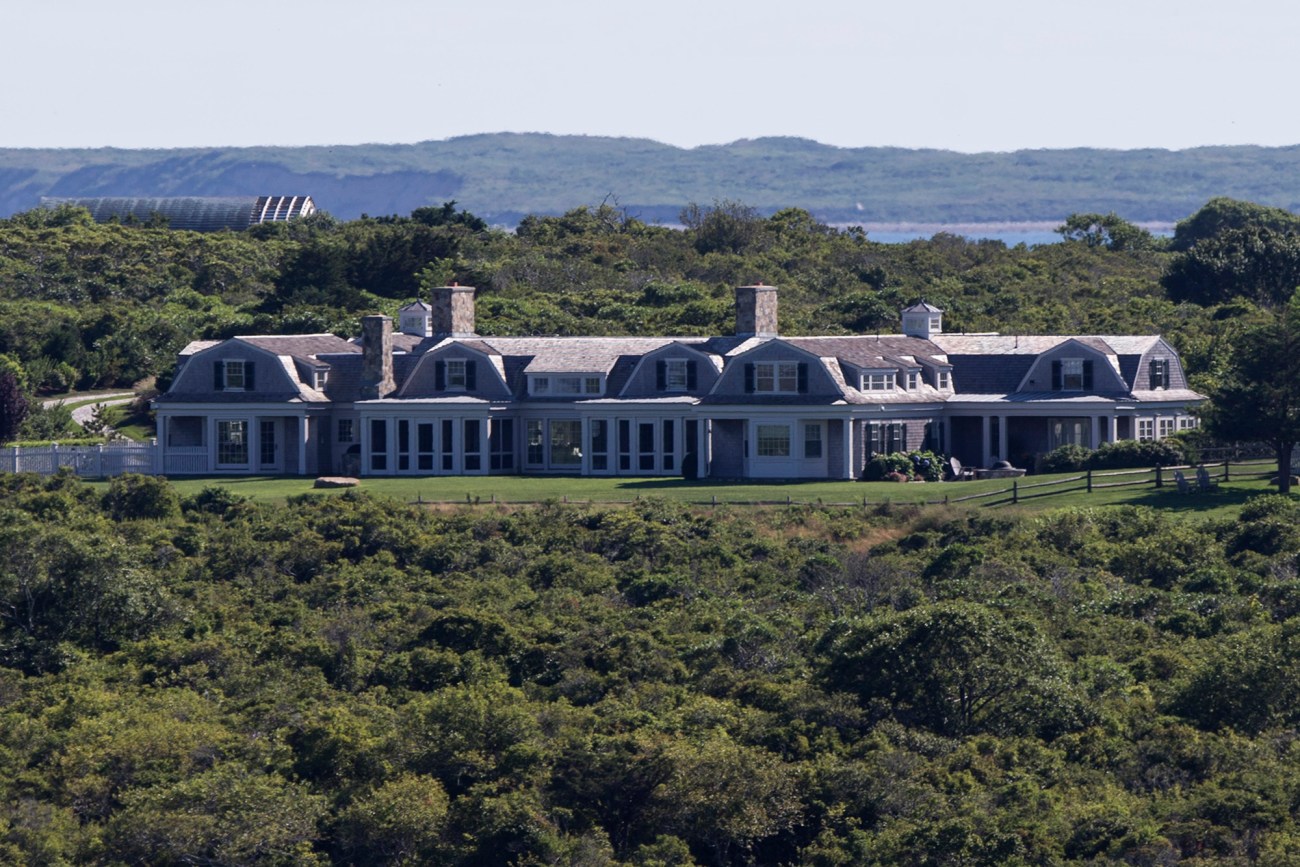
[{"x": 959, "y": 74}]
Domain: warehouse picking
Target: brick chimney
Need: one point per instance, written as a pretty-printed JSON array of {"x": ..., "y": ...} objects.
[
  {"x": 453, "y": 311},
  {"x": 376, "y": 357},
  {"x": 756, "y": 311}
]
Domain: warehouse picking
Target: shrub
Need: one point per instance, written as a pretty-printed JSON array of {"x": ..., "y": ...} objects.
[
  {"x": 132, "y": 496},
  {"x": 923, "y": 465},
  {"x": 1068, "y": 458},
  {"x": 1125, "y": 454}
]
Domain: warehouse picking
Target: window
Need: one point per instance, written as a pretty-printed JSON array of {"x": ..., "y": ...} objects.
[
  {"x": 777, "y": 377},
  {"x": 535, "y": 454},
  {"x": 567, "y": 385},
  {"x": 234, "y": 375},
  {"x": 1186, "y": 422},
  {"x": 501, "y": 442},
  {"x": 1072, "y": 374},
  {"x": 812, "y": 440},
  {"x": 232, "y": 442},
  {"x": 378, "y": 444},
  {"x": 472, "y": 443},
  {"x": 267, "y": 442},
  {"x": 1146, "y": 429},
  {"x": 1164, "y": 426},
  {"x": 935, "y": 323},
  {"x": 318, "y": 379},
  {"x": 566, "y": 443},
  {"x": 599, "y": 444},
  {"x": 1069, "y": 431},
  {"x": 885, "y": 438},
  {"x": 878, "y": 381},
  {"x": 345, "y": 430},
  {"x": 1159, "y": 373},
  {"x": 675, "y": 374},
  {"x": 941, "y": 379},
  {"x": 456, "y": 378},
  {"x": 913, "y": 380},
  {"x": 773, "y": 441}
]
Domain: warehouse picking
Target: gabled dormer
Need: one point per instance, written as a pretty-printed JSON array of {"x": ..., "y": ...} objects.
[
  {"x": 457, "y": 368},
  {"x": 674, "y": 369},
  {"x": 1073, "y": 367},
  {"x": 774, "y": 369}
]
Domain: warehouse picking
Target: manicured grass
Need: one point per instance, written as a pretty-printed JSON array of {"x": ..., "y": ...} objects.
[
  {"x": 482, "y": 490},
  {"x": 137, "y": 426}
]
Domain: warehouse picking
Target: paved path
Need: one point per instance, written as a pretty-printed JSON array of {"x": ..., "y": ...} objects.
[{"x": 82, "y": 414}]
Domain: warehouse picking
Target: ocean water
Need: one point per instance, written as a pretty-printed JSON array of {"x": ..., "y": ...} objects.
[{"x": 1010, "y": 234}]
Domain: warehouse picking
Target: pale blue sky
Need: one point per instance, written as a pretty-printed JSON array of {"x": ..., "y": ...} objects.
[{"x": 957, "y": 74}]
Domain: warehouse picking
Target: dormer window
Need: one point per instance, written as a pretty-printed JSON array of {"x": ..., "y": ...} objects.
[
  {"x": 233, "y": 374},
  {"x": 1072, "y": 374},
  {"x": 878, "y": 381},
  {"x": 675, "y": 374},
  {"x": 776, "y": 377},
  {"x": 567, "y": 386},
  {"x": 456, "y": 376},
  {"x": 318, "y": 379},
  {"x": 1159, "y": 373},
  {"x": 913, "y": 380},
  {"x": 942, "y": 379}
]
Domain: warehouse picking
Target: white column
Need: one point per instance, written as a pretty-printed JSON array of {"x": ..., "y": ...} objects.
[
  {"x": 848, "y": 448},
  {"x": 1002, "y": 437},
  {"x": 1096, "y": 430},
  {"x": 302, "y": 445},
  {"x": 1112, "y": 428},
  {"x": 584, "y": 437},
  {"x": 702, "y": 447}
]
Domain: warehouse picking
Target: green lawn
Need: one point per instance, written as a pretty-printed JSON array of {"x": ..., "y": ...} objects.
[{"x": 536, "y": 489}]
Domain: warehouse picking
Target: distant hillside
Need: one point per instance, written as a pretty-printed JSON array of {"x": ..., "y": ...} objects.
[{"x": 505, "y": 176}]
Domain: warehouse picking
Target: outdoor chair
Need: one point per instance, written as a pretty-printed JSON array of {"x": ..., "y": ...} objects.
[
  {"x": 960, "y": 473},
  {"x": 1184, "y": 486},
  {"x": 1203, "y": 481}
]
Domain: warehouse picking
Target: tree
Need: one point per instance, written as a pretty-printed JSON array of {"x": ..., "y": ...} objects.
[
  {"x": 1255, "y": 262},
  {"x": 1105, "y": 230},
  {"x": 1259, "y": 397},
  {"x": 1223, "y": 214},
  {"x": 13, "y": 406}
]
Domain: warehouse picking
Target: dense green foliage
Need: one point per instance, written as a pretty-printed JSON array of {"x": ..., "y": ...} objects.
[{"x": 347, "y": 680}]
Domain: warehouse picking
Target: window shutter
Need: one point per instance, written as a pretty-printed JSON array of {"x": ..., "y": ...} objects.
[
  {"x": 1056, "y": 376},
  {"x": 749, "y": 379},
  {"x": 248, "y": 376},
  {"x": 803, "y": 377},
  {"x": 902, "y": 438},
  {"x": 440, "y": 375},
  {"x": 661, "y": 375},
  {"x": 1159, "y": 373},
  {"x": 1087, "y": 374},
  {"x": 692, "y": 378},
  {"x": 218, "y": 375},
  {"x": 471, "y": 375}
]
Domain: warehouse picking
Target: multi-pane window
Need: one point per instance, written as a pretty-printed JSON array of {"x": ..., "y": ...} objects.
[
  {"x": 318, "y": 379},
  {"x": 345, "y": 430},
  {"x": 941, "y": 379},
  {"x": 1164, "y": 426},
  {"x": 1187, "y": 422},
  {"x": 235, "y": 375},
  {"x": 776, "y": 377},
  {"x": 456, "y": 376},
  {"x": 773, "y": 440},
  {"x": 812, "y": 440},
  {"x": 267, "y": 442},
  {"x": 878, "y": 381},
  {"x": 675, "y": 374},
  {"x": 536, "y": 454},
  {"x": 1146, "y": 429},
  {"x": 1072, "y": 374},
  {"x": 566, "y": 442},
  {"x": 566, "y": 385},
  {"x": 232, "y": 442},
  {"x": 913, "y": 380}
]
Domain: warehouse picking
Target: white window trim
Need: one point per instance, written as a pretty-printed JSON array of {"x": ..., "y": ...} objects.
[
  {"x": 770, "y": 427},
  {"x": 1067, "y": 374},
  {"x": 227, "y": 367},
  {"x": 675, "y": 374},
  {"x": 879, "y": 380},
  {"x": 776, "y": 373},
  {"x": 575, "y": 385},
  {"x": 457, "y": 375}
]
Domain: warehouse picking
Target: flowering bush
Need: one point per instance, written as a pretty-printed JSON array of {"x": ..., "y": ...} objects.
[{"x": 923, "y": 466}]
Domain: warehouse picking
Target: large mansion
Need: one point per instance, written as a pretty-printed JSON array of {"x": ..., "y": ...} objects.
[{"x": 432, "y": 397}]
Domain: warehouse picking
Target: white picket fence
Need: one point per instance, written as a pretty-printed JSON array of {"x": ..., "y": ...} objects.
[{"x": 92, "y": 462}]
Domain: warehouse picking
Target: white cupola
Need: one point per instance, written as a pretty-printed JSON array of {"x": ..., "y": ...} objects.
[{"x": 922, "y": 320}]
